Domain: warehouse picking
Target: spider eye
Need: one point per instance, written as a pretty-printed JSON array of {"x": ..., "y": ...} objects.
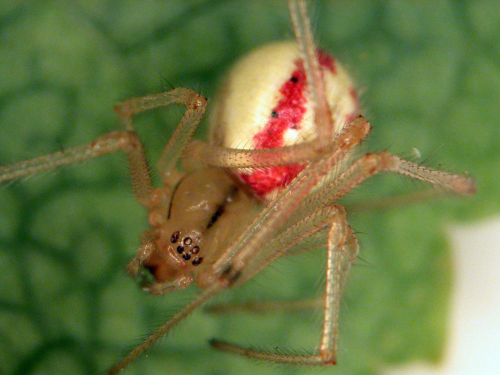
[
  {"x": 197, "y": 261},
  {"x": 175, "y": 237},
  {"x": 187, "y": 241}
]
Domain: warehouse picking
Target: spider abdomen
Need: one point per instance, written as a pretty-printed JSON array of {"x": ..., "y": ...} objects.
[{"x": 264, "y": 102}]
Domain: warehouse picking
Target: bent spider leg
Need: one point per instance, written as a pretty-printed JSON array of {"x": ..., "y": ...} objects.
[
  {"x": 195, "y": 104},
  {"x": 370, "y": 164},
  {"x": 224, "y": 157},
  {"x": 234, "y": 263},
  {"x": 342, "y": 251},
  {"x": 126, "y": 141},
  {"x": 299, "y": 153}
]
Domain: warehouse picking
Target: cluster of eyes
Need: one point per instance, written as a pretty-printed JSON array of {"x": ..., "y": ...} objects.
[{"x": 186, "y": 253}]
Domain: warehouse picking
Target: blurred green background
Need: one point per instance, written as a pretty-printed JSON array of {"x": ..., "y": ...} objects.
[{"x": 429, "y": 75}]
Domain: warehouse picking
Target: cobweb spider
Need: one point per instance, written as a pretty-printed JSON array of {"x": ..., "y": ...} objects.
[{"x": 264, "y": 183}]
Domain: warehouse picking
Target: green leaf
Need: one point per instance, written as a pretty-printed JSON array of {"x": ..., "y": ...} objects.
[{"x": 429, "y": 79}]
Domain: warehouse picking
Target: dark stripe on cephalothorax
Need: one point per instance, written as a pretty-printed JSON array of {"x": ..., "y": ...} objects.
[
  {"x": 215, "y": 216},
  {"x": 221, "y": 208}
]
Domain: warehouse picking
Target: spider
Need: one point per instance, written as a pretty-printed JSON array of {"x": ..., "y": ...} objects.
[{"x": 231, "y": 212}]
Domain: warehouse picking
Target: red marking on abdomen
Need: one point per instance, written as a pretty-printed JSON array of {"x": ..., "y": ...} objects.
[
  {"x": 289, "y": 111},
  {"x": 265, "y": 180},
  {"x": 327, "y": 61},
  {"x": 287, "y": 114}
]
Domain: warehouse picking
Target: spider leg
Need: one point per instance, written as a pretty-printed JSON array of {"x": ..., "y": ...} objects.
[
  {"x": 290, "y": 235},
  {"x": 304, "y": 152},
  {"x": 342, "y": 251},
  {"x": 122, "y": 140},
  {"x": 125, "y": 140},
  {"x": 224, "y": 157},
  {"x": 371, "y": 164},
  {"x": 160, "y": 332},
  {"x": 195, "y": 104},
  {"x": 317, "y": 87}
]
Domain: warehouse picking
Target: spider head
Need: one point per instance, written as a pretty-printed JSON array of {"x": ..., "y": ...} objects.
[
  {"x": 167, "y": 261},
  {"x": 186, "y": 247}
]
